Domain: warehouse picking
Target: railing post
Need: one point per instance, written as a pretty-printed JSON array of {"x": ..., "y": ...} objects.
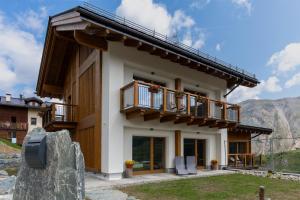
[
  {"x": 208, "y": 108},
  {"x": 121, "y": 99},
  {"x": 188, "y": 104},
  {"x": 164, "y": 99},
  {"x": 136, "y": 95},
  {"x": 238, "y": 113},
  {"x": 224, "y": 111},
  {"x": 53, "y": 109}
]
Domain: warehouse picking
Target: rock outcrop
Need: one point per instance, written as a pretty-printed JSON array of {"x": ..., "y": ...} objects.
[
  {"x": 63, "y": 177},
  {"x": 282, "y": 115}
]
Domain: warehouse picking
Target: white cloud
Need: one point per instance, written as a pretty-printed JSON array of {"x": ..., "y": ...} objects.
[
  {"x": 272, "y": 84},
  {"x": 243, "y": 4},
  {"x": 287, "y": 59},
  {"x": 218, "y": 47},
  {"x": 33, "y": 20},
  {"x": 155, "y": 16},
  {"x": 295, "y": 80},
  {"x": 20, "y": 55},
  {"x": 199, "y": 4},
  {"x": 244, "y": 93}
]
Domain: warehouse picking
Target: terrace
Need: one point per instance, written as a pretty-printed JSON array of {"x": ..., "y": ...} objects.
[{"x": 155, "y": 102}]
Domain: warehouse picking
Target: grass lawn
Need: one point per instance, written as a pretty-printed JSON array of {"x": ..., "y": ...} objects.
[
  {"x": 235, "y": 186},
  {"x": 7, "y": 142}
]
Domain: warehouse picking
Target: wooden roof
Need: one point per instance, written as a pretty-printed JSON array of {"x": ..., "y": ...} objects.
[
  {"x": 93, "y": 27},
  {"x": 242, "y": 128}
]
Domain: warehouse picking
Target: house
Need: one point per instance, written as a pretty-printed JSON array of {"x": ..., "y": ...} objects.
[
  {"x": 132, "y": 93},
  {"x": 18, "y": 116}
]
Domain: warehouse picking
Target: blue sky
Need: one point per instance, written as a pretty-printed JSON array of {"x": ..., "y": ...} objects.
[{"x": 260, "y": 36}]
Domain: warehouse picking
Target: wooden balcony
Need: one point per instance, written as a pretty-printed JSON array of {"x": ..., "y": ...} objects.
[
  {"x": 155, "y": 102},
  {"x": 7, "y": 125},
  {"x": 60, "y": 116},
  {"x": 246, "y": 160}
]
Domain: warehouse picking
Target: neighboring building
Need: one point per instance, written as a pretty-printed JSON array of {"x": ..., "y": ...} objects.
[
  {"x": 130, "y": 93},
  {"x": 18, "y": 116}
]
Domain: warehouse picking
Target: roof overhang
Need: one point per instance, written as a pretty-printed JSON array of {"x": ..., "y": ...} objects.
[
  {"x": 94, "y": 28},
  {"x": 242, "y": 128}
]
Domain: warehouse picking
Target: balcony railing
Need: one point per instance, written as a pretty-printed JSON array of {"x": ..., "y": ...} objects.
[
  {"x": 147, "y": 96},
  {"x": 7, "y": 125},
  {"x": 59, "y": 112},
  {"x": 242, "y": 160}
]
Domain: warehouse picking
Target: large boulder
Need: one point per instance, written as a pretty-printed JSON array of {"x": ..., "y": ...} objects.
[{"x": 63, "y": 177}]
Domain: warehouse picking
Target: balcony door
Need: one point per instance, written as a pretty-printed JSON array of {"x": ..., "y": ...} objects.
[
  {"x": 148, "y": 154},
  {"x": 88, "y": 133},
  {"x": 197, "y": 148}
]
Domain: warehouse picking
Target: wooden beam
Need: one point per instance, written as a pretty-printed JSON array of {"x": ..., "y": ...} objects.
[
  {"x": 53, "y": 89},
  {"x": 151, "y": 116},
  {"x": 91, "y": 41},
  {"x": 131, "y": 42},
  {"x": 167, "y": 118},
  {"x": 182, "y": 119}
]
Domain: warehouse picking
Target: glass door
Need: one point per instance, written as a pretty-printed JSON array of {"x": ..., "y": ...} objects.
[
  {"x": 201, "y": 153},
  {"x": 197, "y": 148},
  {"x": 148, "y": 154}
]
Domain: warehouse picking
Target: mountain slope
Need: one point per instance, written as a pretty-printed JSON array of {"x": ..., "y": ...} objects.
[{"x": 282, "y": 115}]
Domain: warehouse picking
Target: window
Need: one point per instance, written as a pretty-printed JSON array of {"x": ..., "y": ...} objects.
[
  {"x": 13, "y": 134},
  {"x": 237, "y": 147},
  {"x": 33, "y": 121},
  {"x": 148, "y": 153},
  {"x": 13, "y": 119}
]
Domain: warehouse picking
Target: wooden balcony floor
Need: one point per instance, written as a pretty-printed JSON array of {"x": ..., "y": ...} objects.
[
  {"x": 59, "y": 125},
  {"x": 177, "y": 117}
]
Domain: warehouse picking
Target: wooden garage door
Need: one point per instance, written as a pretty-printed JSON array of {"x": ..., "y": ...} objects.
[{"x": 89, "y": 105}]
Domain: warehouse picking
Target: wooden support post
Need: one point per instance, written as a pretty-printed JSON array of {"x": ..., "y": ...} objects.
[
  {"x": 136, "y": 94},
  {"x": 261, "y": 193},
  {"x": 53, "y": 109},
  {"x": 178, "y": 84},
  {"x": 165, "y": 100},
  {"x": 177, "y": 143},
  {"x": 188, "y": 104},
  {"x": 224, "y": 111}
]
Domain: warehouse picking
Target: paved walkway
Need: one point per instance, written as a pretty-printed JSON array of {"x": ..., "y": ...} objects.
[{"x": 98, "y": 189}]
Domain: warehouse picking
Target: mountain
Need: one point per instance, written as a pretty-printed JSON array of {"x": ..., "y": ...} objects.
[{"x": 282, "y": 115}]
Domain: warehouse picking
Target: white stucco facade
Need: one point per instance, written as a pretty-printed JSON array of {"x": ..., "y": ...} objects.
[
  {"x": 34, "y": 113},
  {"x": 119, "y": 64}
]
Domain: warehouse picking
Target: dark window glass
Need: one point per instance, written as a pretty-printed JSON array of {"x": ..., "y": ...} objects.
[
  {"x": 13, "y": 119},
  {"x": 13, "y": 134},
  {"x": 242, "y": 147},
  {"x": 233, "y": 148},
  {"x": 141, "y": 153},
  {"x": 33, "y": 121},
  {"x": 201, "y": 152},
  {"x": 159, "y": 153},
  {"x": 189, "y": 147}
]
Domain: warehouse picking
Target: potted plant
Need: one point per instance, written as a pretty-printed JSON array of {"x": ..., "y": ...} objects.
[
  {"x": 154, "y": 88},
  {"x": 129, "y": 171},
  {"x": 214, "y": 164},
  {"x": 179, "y": 94},
  {"x": 201, "y": 99}
]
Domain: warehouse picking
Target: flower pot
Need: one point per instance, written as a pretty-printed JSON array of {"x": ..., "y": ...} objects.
[
  {"x": 214, "y": 167},
  {"x": 129, "y": 166},
  {"x": 128, "y": 173}
]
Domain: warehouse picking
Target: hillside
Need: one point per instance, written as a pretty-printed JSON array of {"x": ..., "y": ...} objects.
[{"x": 282, "y": 115}]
